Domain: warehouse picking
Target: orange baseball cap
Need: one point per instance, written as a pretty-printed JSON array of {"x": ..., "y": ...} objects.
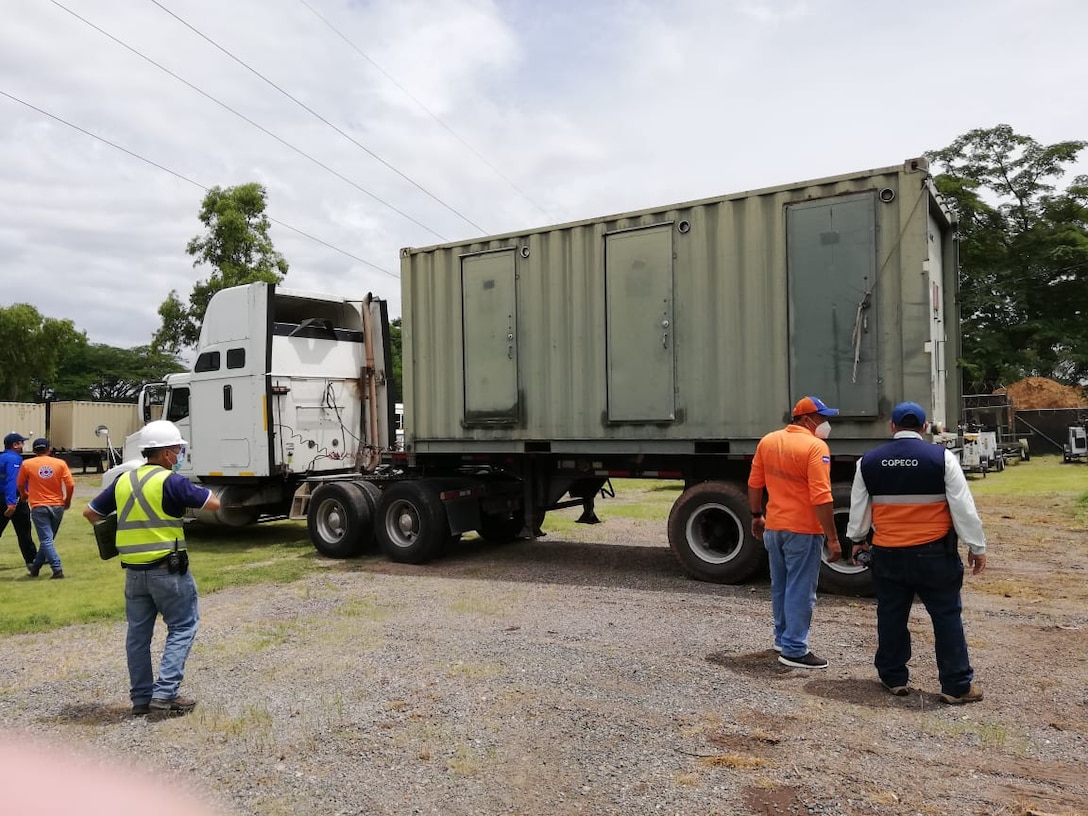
[{"x": 813, "y": 405}]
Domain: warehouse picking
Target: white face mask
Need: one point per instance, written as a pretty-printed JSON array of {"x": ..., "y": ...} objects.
[
  {"x": 823, "y": 430},
  {"x": 179, "y": 462}
]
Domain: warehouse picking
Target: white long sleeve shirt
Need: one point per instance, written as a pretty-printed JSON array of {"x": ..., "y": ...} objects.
[{"x": 960, "y": 503}]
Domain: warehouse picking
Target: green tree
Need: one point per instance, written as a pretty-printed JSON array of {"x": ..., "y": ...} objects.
[
  {"x": 236, "y": 246},
  {"x": 108, "y": 374},
  {"x": 395, "y": 349},
  {"x": 1023, "y": 255},
  {"x": 31, "y": 347}
]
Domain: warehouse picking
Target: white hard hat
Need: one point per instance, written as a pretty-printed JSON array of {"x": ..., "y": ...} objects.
[{"x": 160, "y": 434}]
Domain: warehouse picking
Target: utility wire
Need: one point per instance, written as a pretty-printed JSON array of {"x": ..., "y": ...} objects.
[
  {"x": 317, "y": 115},
  {"x": 178, "y": 175},
  {"x": 424, "y": 108},
  {"x": 245, "y": 118}
]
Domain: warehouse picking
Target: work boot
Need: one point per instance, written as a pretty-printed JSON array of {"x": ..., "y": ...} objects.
[
  {"x": 57, "y": 574},
  {"x": 33, "y": 571},
  {"x": 177, "y": 707},
  {"x": 140, "y": 709},
  {"x": 972, "y": 695}
]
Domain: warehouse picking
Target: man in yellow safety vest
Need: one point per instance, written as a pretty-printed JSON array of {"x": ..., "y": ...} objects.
[{"x": 150, "y": 502}]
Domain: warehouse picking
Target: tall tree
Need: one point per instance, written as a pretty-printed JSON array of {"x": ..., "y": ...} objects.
[
  {"x": 31, "y": 347},
  {"x": 236, "y": 246},
  {"x": 107, "y": 374},
  {"x": 395, "y": 347},
  {"x": 1023, "y": 253}
]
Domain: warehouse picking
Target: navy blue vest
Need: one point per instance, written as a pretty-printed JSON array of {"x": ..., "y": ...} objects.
[{"x": 904, "y": 467}]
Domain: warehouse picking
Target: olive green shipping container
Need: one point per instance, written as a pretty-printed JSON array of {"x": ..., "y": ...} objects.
[{"x": 688, "y": 328}]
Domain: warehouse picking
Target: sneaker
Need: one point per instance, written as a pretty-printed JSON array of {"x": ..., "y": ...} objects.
[
  {"x": 140, "y": 709},
  {"x": 172, "y": 708},
  {"x": 777, "y": 648},
  {"x": 972, "y": 695},
  {"x": 56, "y": 575},
  {"x": 898, "y": 691},
  {"x": 806, "y": 661}
]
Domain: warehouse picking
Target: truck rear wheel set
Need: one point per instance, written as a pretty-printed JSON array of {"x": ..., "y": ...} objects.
[{"x": 709, "y": 529}]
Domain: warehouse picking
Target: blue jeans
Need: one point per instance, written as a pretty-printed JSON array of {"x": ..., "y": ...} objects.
[
  {"x": 47, "y": 521},
  {"x": 149, "y": 593},
  {"x": 935, "y": 574},
  {"x": 795, "y": 570}
]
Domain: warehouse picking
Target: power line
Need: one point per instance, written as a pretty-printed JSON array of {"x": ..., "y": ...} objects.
[
  {"x": 245, "y": 118},
  {"x": 186, "y": 179},
  {"x": 424, "y": 108},
  {"x": 317, "y": 115}
]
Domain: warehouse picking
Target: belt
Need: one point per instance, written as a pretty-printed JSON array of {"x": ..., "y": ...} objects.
[
  {"x": 160, "y": 564},
  {"x": 941, "y": 544}
]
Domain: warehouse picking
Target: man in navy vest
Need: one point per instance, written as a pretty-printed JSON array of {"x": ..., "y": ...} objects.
[{"x": 914, "y": 497}]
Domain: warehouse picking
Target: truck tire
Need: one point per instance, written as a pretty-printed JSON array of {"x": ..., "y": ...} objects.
[
  {"x": 412, "y": 526},
  {"x": 710, "y": 532},
  {"x": 340, "y": 519},
  {"x": 842, "y": 577}
]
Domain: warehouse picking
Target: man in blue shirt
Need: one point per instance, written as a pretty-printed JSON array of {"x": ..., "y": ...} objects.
[
  {"x": 16, "y": 510},
  {"x": 150, "y": 503}
]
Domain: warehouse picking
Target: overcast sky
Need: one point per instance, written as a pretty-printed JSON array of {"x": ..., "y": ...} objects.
[{"x": 466, "y": 116}]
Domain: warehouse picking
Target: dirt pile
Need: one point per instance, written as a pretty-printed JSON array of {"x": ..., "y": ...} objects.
[{"x": 1034, "y": 393}]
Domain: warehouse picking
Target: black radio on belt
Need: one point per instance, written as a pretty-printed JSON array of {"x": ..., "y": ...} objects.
[{"x": 177, "y": 562}]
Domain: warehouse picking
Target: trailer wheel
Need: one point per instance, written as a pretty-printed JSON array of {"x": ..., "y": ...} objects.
[
  {"x": 340, "y": 519},
  {"x": 842, "y": 577},
  {"x": 412, "y": 526},
  {"x": 710, "y": 532},
  {"x": 501, "y": 529}
]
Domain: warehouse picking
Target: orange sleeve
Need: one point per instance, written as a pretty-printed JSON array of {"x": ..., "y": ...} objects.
[
  {"x": 23, "y": 478},
  {"x": 756, "y": 478},
  {"x": 819, "y": 473},
  {"x": 69, "y": 480}
]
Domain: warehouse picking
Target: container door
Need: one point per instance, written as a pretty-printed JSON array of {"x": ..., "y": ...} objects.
[
  {"x": 638, "y": 293},
  {"x": 489, "y": 329},
  {"x": 937, "y": 365},
  {"x": 831, "y": 258}
]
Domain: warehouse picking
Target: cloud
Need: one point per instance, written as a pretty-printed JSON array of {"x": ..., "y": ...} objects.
[{"x": 577, "y": 110}]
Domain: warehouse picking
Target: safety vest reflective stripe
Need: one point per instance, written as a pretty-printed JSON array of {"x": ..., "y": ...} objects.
[{"x": 145, "y": 532}]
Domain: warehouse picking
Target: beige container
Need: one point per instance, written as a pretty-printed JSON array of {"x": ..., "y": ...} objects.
[
  {"x": 27, "y": 418},
  {"x": 72, "y": 424}
]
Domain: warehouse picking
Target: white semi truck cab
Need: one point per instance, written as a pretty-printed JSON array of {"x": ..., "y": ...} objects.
[{"x": 286, "y": 385}]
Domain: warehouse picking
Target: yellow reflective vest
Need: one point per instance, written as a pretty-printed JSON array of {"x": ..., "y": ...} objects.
[{"x": 145, "y": 532}]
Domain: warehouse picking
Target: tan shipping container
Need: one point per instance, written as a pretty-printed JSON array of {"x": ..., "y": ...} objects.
[
  {"x": 72, "y": 424},
  {"x": 27, "y": 418}
]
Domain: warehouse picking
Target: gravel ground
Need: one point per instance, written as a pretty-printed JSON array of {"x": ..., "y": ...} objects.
[{"x": 567, "y": 676}]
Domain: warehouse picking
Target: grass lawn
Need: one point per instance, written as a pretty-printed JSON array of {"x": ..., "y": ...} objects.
[{"x": 93, "y": 590}]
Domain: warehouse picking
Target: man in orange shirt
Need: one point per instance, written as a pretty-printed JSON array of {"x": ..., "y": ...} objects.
[
  {"x": 794, "y": 466},
  {"x": 48, "y": 485}
]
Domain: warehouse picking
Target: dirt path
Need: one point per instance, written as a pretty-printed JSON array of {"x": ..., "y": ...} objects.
[{"x": 584, "y": 673}]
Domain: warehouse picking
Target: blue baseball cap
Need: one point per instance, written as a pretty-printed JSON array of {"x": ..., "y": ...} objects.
[
  {"x": 908, "y": 409},
  {"x": 41, "y": 443},
  {"x": 813, "y": 405},
  {"x": 12, "y": 438}
]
